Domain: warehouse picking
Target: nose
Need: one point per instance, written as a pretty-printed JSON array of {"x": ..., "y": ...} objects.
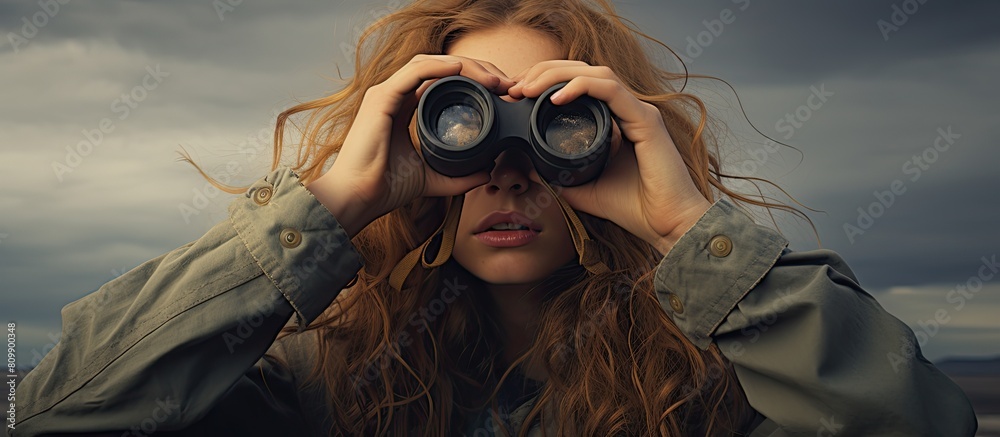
[{"x": 511, "y": 173}]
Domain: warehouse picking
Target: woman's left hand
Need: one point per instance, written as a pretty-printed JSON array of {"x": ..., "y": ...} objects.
[{"x": 646, "y": 188}]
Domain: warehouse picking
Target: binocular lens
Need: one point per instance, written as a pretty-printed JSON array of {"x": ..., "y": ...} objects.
[
  {"x": 459, "y": 124},
  {"x": 463, "y": 127},
  {"x": 571, "y": 133}
]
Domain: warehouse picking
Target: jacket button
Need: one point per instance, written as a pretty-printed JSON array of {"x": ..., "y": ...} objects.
[
  {"x": 675, "y": 303},
  {"x": 262, "y": 195},
  {"x": 720, "y": 246},
  {"x": 290, "y": 238}
]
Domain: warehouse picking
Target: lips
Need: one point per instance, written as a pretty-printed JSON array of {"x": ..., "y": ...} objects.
[
  {"x": 509, "y": 238},
  {"x": 497, "y": 217}
]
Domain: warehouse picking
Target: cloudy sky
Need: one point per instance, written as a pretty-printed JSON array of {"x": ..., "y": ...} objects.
[{"x": 864, "y": 89}]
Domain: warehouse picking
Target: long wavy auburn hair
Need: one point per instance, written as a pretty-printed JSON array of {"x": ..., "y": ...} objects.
[{"x": 406, "y": 363}]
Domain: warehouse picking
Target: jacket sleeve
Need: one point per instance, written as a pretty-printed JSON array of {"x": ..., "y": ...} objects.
[
  {"x": 815, "y": 354},
  {"x": 179, "y": 341}
]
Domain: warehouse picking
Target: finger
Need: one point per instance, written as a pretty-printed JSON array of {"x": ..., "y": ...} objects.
[
  {"x": 505, "y": 82},
  {"x": 423, "y": 68},
  {"x": 537, "y": 84},
  {"x": 620, "y": 101},
  {"x": 534, "y": 70},
  {"x": 427, "y": 67},
  {"x": 420, "y": 73},
  {"x": 483, "y": 72},
  {"x": 582, "y": 198},
  {"x": 478, "y": 72},
  {"x": 404, "y": 81},
  {"x": 532, "y": 74}
]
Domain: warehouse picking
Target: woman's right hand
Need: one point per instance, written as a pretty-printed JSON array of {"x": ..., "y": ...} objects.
[{"x": 379, "y": 168}]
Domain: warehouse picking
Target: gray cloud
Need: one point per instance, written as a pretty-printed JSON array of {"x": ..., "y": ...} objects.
[
  {"x": 786, "y": 42},
  {"x": 119, "y": 207}
]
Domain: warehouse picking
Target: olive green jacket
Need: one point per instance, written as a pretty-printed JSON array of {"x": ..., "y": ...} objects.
[{"x": 179, "y": 342}]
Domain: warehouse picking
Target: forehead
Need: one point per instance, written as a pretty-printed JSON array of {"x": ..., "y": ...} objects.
[{"x": 512, "y": 49}]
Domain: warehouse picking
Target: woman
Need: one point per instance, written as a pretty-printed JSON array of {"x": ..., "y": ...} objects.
[{"x": 680, "y": 316}]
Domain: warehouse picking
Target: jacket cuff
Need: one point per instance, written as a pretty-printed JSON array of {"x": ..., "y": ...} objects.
[
  {"x": 712, "y": 267},
  {"x": 297, "y": 243}
]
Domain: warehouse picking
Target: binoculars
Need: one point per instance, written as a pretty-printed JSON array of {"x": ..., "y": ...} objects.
[{"x": 462, "y": 128}]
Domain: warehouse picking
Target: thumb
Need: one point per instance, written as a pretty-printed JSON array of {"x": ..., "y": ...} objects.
[{"x": 581, "y": 198}]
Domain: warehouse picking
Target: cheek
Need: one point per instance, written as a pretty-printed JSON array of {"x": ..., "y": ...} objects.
[
  {"x": 559, "y": 235},
  {"x": 467, "y": 219},
  {"x": 466, "y": 222}
]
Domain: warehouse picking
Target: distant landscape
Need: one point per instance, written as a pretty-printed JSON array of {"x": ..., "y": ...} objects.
[{"x": 979, "y": 378}]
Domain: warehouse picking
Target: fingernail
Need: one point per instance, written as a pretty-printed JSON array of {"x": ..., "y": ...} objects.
[{"x": 556, "y": 96}]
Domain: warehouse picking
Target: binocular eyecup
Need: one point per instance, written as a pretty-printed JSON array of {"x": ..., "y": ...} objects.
[{"x": 463, "y": 127}]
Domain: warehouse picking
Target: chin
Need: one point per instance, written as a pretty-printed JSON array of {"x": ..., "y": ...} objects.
[{"x": 505, "y": 268}]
